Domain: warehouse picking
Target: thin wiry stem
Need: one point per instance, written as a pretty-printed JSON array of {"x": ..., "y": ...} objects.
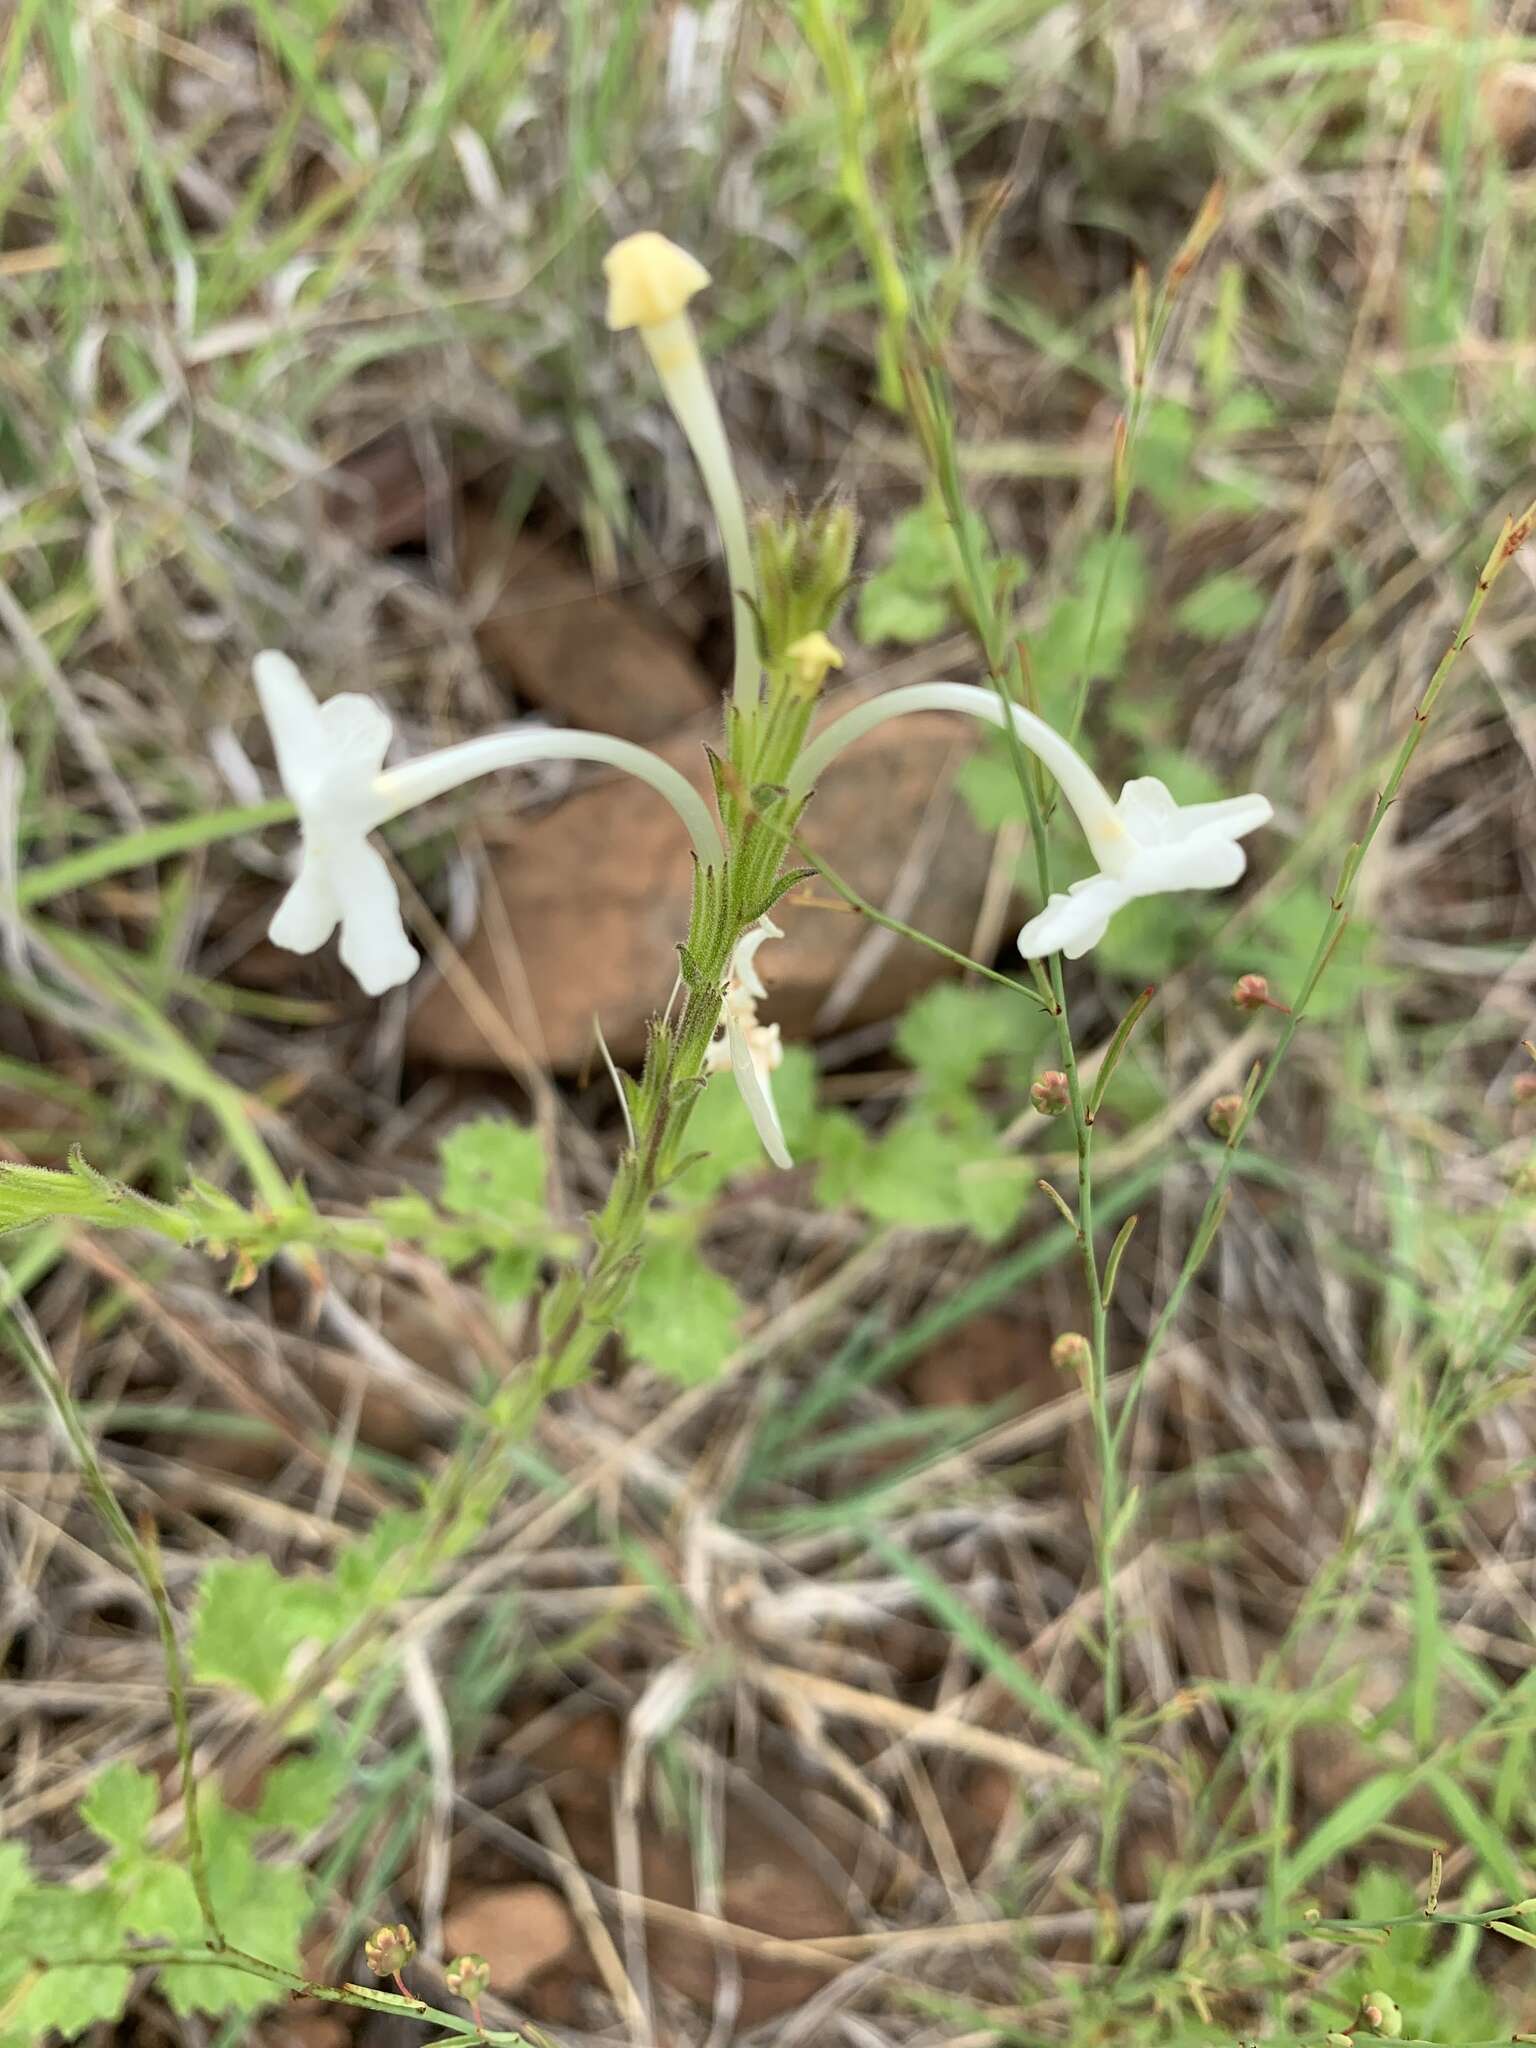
[{"x": 1512, "y": 537}]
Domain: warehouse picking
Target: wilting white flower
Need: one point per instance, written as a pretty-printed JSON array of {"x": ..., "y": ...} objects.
[
  {"x": 329, "y": 756},
  {"x": 751, "y": 1050},
  {"x": 1145, "y": 845},
  {"x": 1160, "y": 846}
]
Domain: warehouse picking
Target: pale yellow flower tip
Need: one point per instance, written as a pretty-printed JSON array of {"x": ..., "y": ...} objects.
[
  {"x": 810, "y": 657},
  {"x": 649, "y": 280}
]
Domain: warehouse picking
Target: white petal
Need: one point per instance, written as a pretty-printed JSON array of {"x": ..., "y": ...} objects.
[
  {"x": 1209, "y": 863},
  {"x": 373, "y": 941},
  {"x": 310, "y": 911},
  {"x": 1149, "y": 812},
  {"x": 293, "y": 719},
  {"x": 1231, "y": 816},
  {"x": 742, "y": 970},
  {"x": 358, "y": 731},
  {"x": 756, "y": 1093},
  {"x": 1072, "y": 923}
]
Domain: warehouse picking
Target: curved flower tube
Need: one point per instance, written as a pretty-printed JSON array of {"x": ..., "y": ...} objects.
[
  {"x": 330, "y": 757},
  {"x": 751, "y": 1049},
  {"x": 1147, "y": 844},
  {"x": 650, "y": 281}
]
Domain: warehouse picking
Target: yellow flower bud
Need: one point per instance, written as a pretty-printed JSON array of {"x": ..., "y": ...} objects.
[
  {"x": 810, "y": 657},
  {"x": 649, "y": 280}
]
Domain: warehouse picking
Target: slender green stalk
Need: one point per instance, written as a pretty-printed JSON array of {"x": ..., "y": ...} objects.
[
  {"x": 834, "y": 51},
  {"x": 1513, "y": 536},
  {"x": 993, "y": 624}
]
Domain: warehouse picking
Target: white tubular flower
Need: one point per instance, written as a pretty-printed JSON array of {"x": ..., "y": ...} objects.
[
  {"x": 1167, "y": 846},
  {"x": 1146, "y": 844},
  {"x": 329, "y": 757},
  {"x": 331, "y": 760},
  {"x": 650, "y": 281},
  {"x": 751, "y": 1049}
]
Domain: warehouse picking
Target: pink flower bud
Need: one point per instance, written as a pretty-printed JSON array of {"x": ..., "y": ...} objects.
[
  {"x": 1050, "y": 1093},
  {"x": 1251, "y": 992}
]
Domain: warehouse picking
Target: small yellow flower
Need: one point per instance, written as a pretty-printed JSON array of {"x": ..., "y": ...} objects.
[
  {"x": 650, "y": 280},
  {"x": 809, "y": 659}
]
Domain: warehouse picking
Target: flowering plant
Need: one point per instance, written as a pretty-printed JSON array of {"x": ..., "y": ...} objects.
[{"x": 331, "y": 760}]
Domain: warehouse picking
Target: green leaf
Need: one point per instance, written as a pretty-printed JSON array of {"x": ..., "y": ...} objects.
[
  {"x": 511, "y": 1275},
  {"x": 990, "y": 788},
  {"x": 15, "y": 1876},
  {"x": 250, "y": 1619},
  {"x": 912, "y": 598},
  {"x": 262, "y": 1908},
  {"x": 994, "y": 1193},
  {"x": 889, "y": 612},
  {"x": 120, "y": 1805},
  {"x": 842, "y": 1146},
  {"x": 1162, "y": 455},
  {"x": 1068, "y": 647},
  {"x": 936, "y": 1173},
  {"x": 300, "y": 1792},
  {"x": 493, "y": 1166},
  {"x": 159, "y": 1899},
  {"x": 53, "y": 1920},
  {"x": 372, "y": 1569},
  {"x": 951, "y": 1032},
  {"x": 681, "y": 1315},
  {"x": 1221, "y": 608}
]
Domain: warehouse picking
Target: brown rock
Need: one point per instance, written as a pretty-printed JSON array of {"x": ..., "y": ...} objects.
[
  {"x": 520, "y": 1929},
  {"x": 990, "y": 1358},
  {"x": 597, "y": 894},
  {"x": 610, "y": 663}
]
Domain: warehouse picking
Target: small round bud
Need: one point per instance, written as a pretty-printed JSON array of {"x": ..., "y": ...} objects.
[
  {"x": 1380, "y": 2016},
  {"x": 649, "y": 280},
  {"x": 389, "y": 1950},
  {"x": 1051, "y": 1093},
  {"x": 468, "y": 1977},
  {"x": 1251, "y": 992},
  {"x": 1523, "y": 1179},
  {"x": 1223, "y": 1114},
  {"x": 1523, "y": 1088},
  {"x": 1071, "y": 1352}
]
